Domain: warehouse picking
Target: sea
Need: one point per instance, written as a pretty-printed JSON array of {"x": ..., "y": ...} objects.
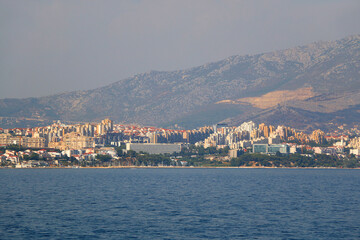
[{"x": 179, "y": 203}]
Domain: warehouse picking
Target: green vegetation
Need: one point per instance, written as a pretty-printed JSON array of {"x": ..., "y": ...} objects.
[
  {"x": 294, "y": 160},
  {"x": 193, "y": 156},
  {"x": 12, "y": 147},
  {"x": 17, "y": 148},
  {"x": 32, "y": 156},
  {"x": 103, "y": 158}
]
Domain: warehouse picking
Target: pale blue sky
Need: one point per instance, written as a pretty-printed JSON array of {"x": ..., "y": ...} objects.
[{"x": 49, "y": 47}]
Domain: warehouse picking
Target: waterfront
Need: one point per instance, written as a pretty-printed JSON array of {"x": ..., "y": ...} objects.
[{"x": 179, "y": 203}]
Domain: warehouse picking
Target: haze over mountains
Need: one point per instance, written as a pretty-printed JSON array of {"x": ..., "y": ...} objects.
[{"x": 312, "y": 86}]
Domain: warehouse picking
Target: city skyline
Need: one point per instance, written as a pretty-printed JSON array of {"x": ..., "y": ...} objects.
[
  {"x": 179, "y": 119},
  {"x": 106, "y": 144}
]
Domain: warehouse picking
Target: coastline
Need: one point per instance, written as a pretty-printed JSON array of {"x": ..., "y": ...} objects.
[{"x": 178, "y": 167}]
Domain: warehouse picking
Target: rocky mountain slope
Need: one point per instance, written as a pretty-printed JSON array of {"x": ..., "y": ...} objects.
[{"x": 212, "y": 92}]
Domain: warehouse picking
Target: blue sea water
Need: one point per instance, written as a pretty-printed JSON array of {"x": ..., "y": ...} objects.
[{"x": 179, "y": 204}]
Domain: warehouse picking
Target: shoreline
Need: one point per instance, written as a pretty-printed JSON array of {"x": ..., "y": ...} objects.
[{"x": 178, "y": 167}]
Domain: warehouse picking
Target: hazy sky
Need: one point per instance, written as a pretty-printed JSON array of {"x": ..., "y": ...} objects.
[{"x": 49, "y": 47}]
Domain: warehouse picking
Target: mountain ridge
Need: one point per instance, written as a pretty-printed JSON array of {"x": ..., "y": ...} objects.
[{"x": 162, "y": 97}]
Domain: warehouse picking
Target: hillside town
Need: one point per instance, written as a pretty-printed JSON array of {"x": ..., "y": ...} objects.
[{"x": 106, "y": 144}]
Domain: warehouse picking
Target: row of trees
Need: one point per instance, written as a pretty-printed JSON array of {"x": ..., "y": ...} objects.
[
  {"x": 293, "y": 160},
  {"x": 195, "y": 156}
]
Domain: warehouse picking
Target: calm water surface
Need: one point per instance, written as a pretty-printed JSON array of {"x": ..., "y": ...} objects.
[{"x": 179, "y": 204}]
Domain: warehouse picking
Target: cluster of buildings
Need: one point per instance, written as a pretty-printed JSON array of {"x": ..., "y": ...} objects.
[
  {"x": 281, "y": 139},
  {"x": 248, "y": 134},
  {"x": 50, "y": 158},
  {"x": 57, "y": 135},
  {"x": 354, "y": 145},
  {"x": 84, "y": 142},
  {"x": 79, "y": 136},
  {"x": 140, "y": 134},
  {"x": 30, "y": 158}
]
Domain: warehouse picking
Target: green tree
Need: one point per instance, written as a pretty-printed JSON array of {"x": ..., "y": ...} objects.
[
  {"x": 34, "y": 156},
  {"x": 103, "y": 158},
  {"x": 119, "y": 150}
]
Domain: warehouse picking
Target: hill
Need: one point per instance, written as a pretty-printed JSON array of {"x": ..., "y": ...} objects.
[{"x": 324, "y": 76}]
